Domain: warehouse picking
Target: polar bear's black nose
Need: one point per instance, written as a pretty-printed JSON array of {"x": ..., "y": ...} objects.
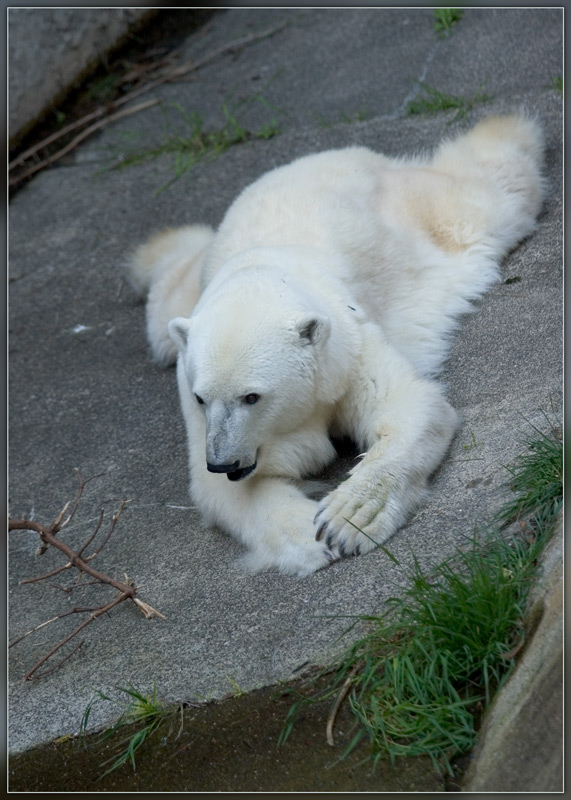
[{"x": 222, "y": 467}]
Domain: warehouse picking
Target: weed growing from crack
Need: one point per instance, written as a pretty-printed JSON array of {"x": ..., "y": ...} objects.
[
  {"x": 537, "y": 479},
  {"x": 556, "y": 83},
  {"x": 344, "y": 118},
  {"x": 196, "y": 144},
  {"x": 435, "y": 101},
  {"x": 445, "y": 18},
  {"x": 146, "y": 712}
]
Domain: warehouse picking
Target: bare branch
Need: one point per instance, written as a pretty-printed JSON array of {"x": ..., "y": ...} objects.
[
  {"x": 48, "y": 536},
  {"x": 82, "y": 484},
  {"x": 93, "y": 615},
  {"x": 69, "y": 589},
  {"x": 47, "y": 575},
  {"x": 56, "y": 522},
  {"x": 94, "y": 534},
  {"x": 114, "y": 519},
  {"x": 58, "y": 665},
  {"x": 78, "y": 610}
]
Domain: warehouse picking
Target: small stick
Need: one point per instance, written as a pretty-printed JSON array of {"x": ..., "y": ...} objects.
[
  {"x": 340, "y": 697},
  {"x": 94, "y": 534},
  {"x": 58, "y": 665},
  {"x": 56, "y": 522},
  {"x": 114, "y": 519},
  {"x": 59, "y": 645},
  {"x": 48, "y": 622},
  {"x": 82, "y": 484},
  {"x": 79, "y": 138},
  {"x": 51, "y": 574}
]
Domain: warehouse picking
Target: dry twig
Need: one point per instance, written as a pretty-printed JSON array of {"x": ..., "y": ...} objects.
[
  {"x": 78, "y": 139},
  {"x": 337, "y": 705},
  {"x": 49, "y": 536}
]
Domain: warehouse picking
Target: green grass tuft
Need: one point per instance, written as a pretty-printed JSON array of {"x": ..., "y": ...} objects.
[
  {"x": 557, "y": 83},
  {"x": 146, "y": 712},
  {"x": 445, "y": 18},
  {"x": 103, "y": 89},
  {"x": 537, "y": 479},
  {"x": 423, "y": 673},
  {"x": 434, "y": 101},
  {"x": 346, "y": 119}
]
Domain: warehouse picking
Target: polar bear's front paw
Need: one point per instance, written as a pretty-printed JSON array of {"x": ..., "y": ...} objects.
[
  {"x": 358, "y": 516},
  {"x": 301, "y": 560},
  {"x": 292, "y": 558},
  {"x": 289, "y": 544}
]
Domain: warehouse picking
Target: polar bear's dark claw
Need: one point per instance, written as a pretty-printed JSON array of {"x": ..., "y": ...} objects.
[
  {"x": 357, "y": 551},
  {"x": 320, "y": 532},
  {"x": 329, "y": 555}
]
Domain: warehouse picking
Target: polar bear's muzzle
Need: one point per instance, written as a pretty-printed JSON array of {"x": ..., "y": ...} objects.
[{"x": 233, "y": 471}]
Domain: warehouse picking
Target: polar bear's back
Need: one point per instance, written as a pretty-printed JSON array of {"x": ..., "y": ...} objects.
[
  {"x": 412, "y": 241},
  {"x": 309, "y": 203},
  {"x": 415, "y": 239}
]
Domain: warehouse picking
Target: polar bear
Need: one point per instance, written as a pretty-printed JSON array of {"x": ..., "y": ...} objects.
[{"x": 323, "y": 306}]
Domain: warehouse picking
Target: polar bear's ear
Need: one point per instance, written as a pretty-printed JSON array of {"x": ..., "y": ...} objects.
[
  {"x": 178, "y": 331},
  {"x": 313, "y": 328}
]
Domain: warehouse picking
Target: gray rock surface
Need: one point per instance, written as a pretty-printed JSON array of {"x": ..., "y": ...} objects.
[
  {"x": 51, "y": 49},
  {"x": 84, "y": 392},
  {"x": 519, "y": 747}
]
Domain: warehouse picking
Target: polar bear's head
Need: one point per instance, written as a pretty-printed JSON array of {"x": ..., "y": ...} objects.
[{"x": 253, "y": 361}]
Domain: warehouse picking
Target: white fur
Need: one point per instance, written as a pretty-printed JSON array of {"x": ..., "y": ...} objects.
[{"x": 330, "y": 291}]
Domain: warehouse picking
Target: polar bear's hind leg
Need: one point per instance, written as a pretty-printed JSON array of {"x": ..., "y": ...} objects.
[
  {"x": 168, "y": 267},
  {"x": 506, "y": 152}
]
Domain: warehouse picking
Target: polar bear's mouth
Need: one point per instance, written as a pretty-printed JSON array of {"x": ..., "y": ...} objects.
[
  {"x": 233, "y": 471},
  {"x": 240, "y": 474}
]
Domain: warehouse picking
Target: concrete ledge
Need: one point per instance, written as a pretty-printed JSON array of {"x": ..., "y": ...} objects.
[{"x": 51, "y": 49}]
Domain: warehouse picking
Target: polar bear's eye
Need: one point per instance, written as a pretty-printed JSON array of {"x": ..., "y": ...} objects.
[
  {"x": 199, "y": 400},
  {"x": 250, "y": 399}
]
